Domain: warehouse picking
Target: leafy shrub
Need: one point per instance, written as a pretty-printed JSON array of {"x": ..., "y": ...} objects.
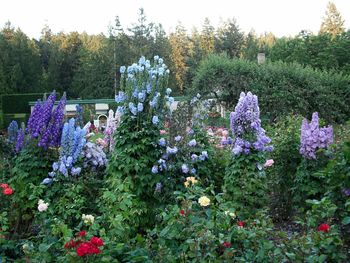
[{"x": 282, "y": 88}]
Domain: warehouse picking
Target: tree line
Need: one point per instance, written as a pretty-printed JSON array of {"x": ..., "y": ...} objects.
[{"x": 87, "y": 66}]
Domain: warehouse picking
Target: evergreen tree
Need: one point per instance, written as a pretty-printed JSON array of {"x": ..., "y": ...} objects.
[
  {"x": 207, "y": 37},
  {"x": 230, "y": 39},
  {"x": 332, "y": 23}
]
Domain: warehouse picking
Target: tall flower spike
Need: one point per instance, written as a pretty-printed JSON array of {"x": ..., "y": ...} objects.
[
  {"x": 313, "y": 137},
  {"x": 246, "y": 126}
]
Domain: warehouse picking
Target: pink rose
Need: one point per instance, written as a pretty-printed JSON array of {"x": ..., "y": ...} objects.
[
  {"x": 162, "y": 132},
  {"x": 269, "y": 163}
]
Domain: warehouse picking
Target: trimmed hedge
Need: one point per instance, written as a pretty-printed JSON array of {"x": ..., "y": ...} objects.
[
  {"x": 18, "y": 103},
  {"x": 282, "y": 88}
]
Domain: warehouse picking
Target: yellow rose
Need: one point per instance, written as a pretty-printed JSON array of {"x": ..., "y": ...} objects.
[
  {"x": 186, "y": 183},
  {"x": 204, "y": 201}
]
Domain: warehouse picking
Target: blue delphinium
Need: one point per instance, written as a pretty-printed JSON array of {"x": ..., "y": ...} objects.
[
  {"x": 121, "y": 97},
  {"x": 79, "y": 116},
  {"x": 192, "y": 143},
  {"x": 246, "y": 126},
  {"x": 185, "y": 168},
  {"x": 162, "y": 142},
  {"x": 12, "y": 131},
  {"x": 178, "y": 138},
  {"x": 155, "y": 169},
  {"x": 140, "y": 107},
  {"x": 155, "y": 120}
]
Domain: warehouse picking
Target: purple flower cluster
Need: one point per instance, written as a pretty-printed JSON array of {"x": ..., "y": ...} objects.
[
  {"x": 246, "y": 126},
  {"x": 94, "y": 156},
  {"x": 45, "y": 124},
  {"x": 41, "y": 116},
  {"x": 313, "y": 137},
  {"x": 20, "y": 140},
  {"x": 52, "y": 134}
]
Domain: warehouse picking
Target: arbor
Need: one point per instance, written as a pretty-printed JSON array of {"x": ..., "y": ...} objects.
[{"x": 332, "y": 23}]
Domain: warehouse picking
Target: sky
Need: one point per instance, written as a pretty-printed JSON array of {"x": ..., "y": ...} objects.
[{"x": 281, "y": 17}]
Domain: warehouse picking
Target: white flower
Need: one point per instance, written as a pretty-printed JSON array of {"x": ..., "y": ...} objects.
[
  {"x": 88, "y": 219},
  {"x": 204, "y": 201},
  {"x": 42, "y": 206}
]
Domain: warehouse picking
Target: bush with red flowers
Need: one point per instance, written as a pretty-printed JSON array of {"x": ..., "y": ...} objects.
[
  {"x": 6, "y": 189},
  {"x": 323, "y": 228},
  {"x": 83, "y": 246}
]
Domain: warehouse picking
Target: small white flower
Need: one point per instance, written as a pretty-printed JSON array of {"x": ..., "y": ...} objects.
[
  {"x": 42, "y": 206},
  {"x": 88, "y": 219}
]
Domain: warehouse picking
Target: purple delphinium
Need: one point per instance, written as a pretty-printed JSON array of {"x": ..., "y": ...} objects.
[
  {"x": 34, "y": 119},
  {"x": 45, "y": 115},
  {"x": 20, "y": 140},
  {"x": 346, "y": 192},
  {"x": 246, "y": 126},
  {"x": 313, "y": 137}
]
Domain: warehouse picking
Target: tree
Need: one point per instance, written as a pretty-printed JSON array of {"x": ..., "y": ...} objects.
[
  {"x": 207, "y": 37},
  {"x": 332, "y": 23},
  {"x": 141, "y": 36},
  {"x": 230, "y": 39},
  {"x": 179, "y": 44}
]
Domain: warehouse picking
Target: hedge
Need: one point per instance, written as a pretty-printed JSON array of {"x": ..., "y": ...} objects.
[
  {"x": 18, "y": 103},
  {"x": 282, "y": 88}
]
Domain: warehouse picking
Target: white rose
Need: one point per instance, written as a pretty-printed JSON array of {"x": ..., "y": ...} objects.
[{"x": 43, "y": 207}]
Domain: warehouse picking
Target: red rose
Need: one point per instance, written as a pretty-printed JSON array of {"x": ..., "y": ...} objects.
[
  {"x": 96, "y": 241},
  {"x": 240, "y": 224},
  {"x": 82, "y": 233},
  {"x": 83, "y": 249},
  {"x": 4, "y": 186},
  {"x": 323, "y": 227},
  {"x": 227, "y": 244},
  {"x": 8, "y": 191},
  {"x": 182, "y": 212},
  {"x": 95, "y": 250}
]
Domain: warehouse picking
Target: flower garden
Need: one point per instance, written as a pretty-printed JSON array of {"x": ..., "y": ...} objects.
[{"x": 163, "y": 186}]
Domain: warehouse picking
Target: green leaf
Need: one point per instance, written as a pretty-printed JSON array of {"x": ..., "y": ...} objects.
[{"x": 346, "y": 220}]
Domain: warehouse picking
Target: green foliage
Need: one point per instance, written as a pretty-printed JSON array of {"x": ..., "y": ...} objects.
[
  {"x": 322, "y": 51},
  {"x": 286, "y": 139},
  {"x": 282, "y": 88},
  {"x": 245, "y": 183}
]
